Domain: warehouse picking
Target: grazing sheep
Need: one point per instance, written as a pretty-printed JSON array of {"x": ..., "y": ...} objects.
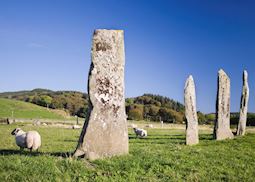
[
  {"x": 140, "y": 132},
  {"x": 30, "y": 139}
]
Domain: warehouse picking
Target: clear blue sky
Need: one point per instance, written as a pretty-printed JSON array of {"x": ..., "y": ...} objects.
[{"x": 46, "y": 44}]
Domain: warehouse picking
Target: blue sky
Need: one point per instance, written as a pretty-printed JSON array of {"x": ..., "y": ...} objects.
[{"x": 47, "y": 43}]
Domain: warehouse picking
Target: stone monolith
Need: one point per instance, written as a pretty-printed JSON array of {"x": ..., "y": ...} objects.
[
  {"x": 104, "y": 133},
  {"x": 222, "y": 124},
  {"x": 244, "y": 105},
  {"x": 191, "y": 112}
]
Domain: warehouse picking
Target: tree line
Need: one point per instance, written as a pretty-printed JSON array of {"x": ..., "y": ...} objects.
[
  {"x": 73, "y": 102},
  {"x": 154, "y": 108},
  {"x": 148, "y": 107}
]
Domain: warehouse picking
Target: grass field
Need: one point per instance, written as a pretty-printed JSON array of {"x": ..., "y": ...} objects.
[
  {"x": 25, "y": 110},
  {"x": 163, "y": 156}
]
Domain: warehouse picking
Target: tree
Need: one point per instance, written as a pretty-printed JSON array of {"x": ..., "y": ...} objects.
[
  {"x": 153, "y": 110},
  {"x": 83, "y": 112},
  {"x": 165, "y": 115},
  {"x": 129, "y": 101},
  {"x": 45, "y": 100},
  {"x": 135, "y": 112}
]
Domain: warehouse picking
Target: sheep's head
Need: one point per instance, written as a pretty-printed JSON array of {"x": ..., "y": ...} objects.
[{"x": 15, "y": 131}]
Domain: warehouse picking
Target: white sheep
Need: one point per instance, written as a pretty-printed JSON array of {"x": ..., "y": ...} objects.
[
  {"x": 140, "y": 132},
  {"x": 30, "y": 139}
]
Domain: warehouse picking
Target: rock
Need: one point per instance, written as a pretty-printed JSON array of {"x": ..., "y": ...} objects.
[
  {"x": 37, "y": 123},
  {"x": 44, "y": 124},
  {"x": 105, "y": 133},
  {"x": 222, "y": 125},
  {"x": 191, "y": 112},
  {"x": 244, "y": 105}
]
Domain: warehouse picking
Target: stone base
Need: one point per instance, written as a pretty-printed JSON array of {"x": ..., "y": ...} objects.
[
  {"x": 192, "y": 137},
  {"x": 224, "y": 134}
]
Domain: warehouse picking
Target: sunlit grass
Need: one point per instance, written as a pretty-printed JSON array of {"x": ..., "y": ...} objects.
[{"x": 162, "y": 156}]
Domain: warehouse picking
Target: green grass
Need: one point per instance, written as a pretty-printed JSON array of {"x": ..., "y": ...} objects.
[
  {"x": 25, "y": 110},
  {"x": 163, "y": 156}
]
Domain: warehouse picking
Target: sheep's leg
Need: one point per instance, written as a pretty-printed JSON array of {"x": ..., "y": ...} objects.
[{"x": 31, "y": 149}]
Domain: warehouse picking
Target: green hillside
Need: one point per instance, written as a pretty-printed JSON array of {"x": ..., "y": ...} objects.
[
  {"x": 146, "y": 107},
  {"x": 76, "y": 103},
  {"x": 25, "y": 110}
]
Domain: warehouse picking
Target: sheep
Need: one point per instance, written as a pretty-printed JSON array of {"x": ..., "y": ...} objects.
[
  {"x": 30, "y": 140},
  {"x": 140, "y": 132}
]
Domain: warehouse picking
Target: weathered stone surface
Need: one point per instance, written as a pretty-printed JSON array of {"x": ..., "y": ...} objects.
[
  {"x": 244, "y": 105},
  {"x": 222, "y": 125},
  {"x": 191, "y": 112},
  {"x": 105, "y": 132}
]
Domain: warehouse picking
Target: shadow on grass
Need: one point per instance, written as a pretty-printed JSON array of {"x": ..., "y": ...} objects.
[
  {"x": 68, "y": 140},
  {"x": 159, "y": 139},
  {"x": 61, "y": 154},
  {"x": 160, "y": 136},
  {"x": 15, "y": 152},
  {"x": 164, "y": 139},
  {"x": 178, "y": 139},
  {"x": 34, "y": 153},
  {"x": 206, "y": 137}
]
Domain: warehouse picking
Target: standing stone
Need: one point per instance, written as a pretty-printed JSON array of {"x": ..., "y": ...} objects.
[
  {"x": 191, "y": 112},
  {"x": 244, "y": 105},
  {"x": 105, "y": 133},
  {"x": 222, "y": 125}
]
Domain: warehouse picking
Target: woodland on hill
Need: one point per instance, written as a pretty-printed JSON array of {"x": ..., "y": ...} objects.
[{"x": 148, "y": 107}]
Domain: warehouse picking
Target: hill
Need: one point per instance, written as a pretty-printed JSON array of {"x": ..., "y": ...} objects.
[
  {"x": 25, "y": 110},
  {"x": 154, "y": 108},
  {"x": 148, "y": 106},
  {"x": 73, "y": 102}
]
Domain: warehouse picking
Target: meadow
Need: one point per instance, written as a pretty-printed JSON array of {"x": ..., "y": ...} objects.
[
  {"x": 25, "y": 110},
  {"x": 162, "y": 156}
]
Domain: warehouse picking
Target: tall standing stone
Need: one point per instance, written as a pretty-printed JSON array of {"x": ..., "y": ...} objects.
[
  {"x": 191, "y": 112},
  {"x": 244, "y": 105},
  {"x": 222, "y": 125},
  {"x": 104, "y": 133}
]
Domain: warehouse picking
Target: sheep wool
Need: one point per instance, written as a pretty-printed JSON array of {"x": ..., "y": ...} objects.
[
  {"x": 140, "y": 132},
  {"x": 30, "y": 139}
]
